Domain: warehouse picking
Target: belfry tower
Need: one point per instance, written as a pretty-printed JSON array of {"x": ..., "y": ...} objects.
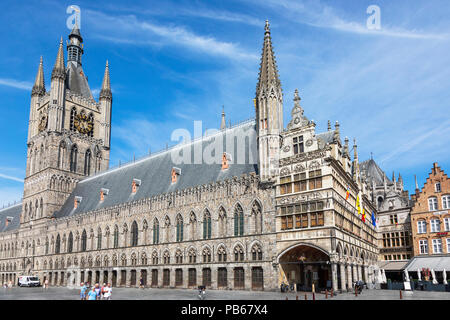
[
  {"x": 68, "y": 133},
  {"x": 269, "y": 111}
]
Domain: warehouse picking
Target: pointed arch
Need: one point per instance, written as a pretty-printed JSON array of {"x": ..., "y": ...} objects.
[
  {"x": 193, "y": 225},
  {"x": 179, "y": 226},
  {"x": 222, "y": 222},
  {"x": 155, "y": 231},
  {"x": 73, "y": 158},
  {"x": 134, "y": 234},
  {"x": 206, "y": 224},
  {"x": 238, "y": 220},
  {"x": 87, "y": 162},
  {"x": 257, "y": 217}
]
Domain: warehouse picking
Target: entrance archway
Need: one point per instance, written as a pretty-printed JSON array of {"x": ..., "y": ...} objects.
[{"x": 303, "y": 265}]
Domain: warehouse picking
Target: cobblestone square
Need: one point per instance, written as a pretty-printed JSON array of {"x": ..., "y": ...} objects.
[{"x": 59, "y": 293}]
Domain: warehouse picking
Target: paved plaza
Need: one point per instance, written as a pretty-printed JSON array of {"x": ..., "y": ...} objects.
[{"x": 59, "y": 293}]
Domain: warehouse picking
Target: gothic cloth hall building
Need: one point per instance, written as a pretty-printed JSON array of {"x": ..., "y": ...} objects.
[{"x": 271, "y": 209}]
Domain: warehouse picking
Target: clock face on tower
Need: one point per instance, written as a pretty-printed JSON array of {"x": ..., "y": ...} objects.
[{"x": 83, "y": 124}]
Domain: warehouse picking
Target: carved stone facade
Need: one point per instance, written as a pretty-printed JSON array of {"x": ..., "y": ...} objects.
[{"x": 286, "y": 218}]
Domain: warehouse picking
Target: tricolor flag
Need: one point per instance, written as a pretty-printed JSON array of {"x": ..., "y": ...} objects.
[
  {"x": 357, "y": 204},
  {"x": 374, "y": 221},
  {"x": 347, "y": 193},
  {"x": 363, "y": 216}
]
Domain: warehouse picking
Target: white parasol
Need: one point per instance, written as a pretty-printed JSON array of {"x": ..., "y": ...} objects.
[
  {"x": 384, "y": 276},
  {"x": 444, "y": 274},
  {"x": 434, "y": 277}
]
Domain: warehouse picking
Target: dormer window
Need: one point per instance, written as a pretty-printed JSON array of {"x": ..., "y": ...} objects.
[
  {"x": 103, "y": 192},
  {"x": 8, "y": 220},
  {"x": 135, "y": 185},
  {"x": 298, "y": 145},
  {"x": 175, "y": 173},
  {"x": 76, "y": 202},
  {"x": 226, "y": 159}
]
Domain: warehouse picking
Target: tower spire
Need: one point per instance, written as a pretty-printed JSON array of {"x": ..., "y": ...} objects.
[
  {"x": 268, "y": 72},
  {"x": 59, "y": 69},
  {"x": 105, "y": 92},
  {"x": 39, "y": 84},
  {"x": 223, "y": 124}
]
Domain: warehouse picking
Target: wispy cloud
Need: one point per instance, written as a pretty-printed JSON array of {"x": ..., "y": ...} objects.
[
  {"x": 129, "y": 29},
  {"x": 4, "y": 176},
  {"x": 23, "y": 85},
  {"x": 317, "y": 14}
]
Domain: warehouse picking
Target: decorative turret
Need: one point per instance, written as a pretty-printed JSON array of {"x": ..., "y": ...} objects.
[
  {"x": 39, "y": 84},
  {"x": 75, "y": 46},
  {"x": 105, "y": 92},
  {"x": 355, "y": 160},
  {"x": 297, "y": 117},
  {"x": 336, "y": 136},
  {"x": 223, "y": 124},
  {"x": 59, "y": 68},
  {"x": 106, "y": 106},
  {"x": 329, "y": 125},
  {"x": 346, "y": 151}
]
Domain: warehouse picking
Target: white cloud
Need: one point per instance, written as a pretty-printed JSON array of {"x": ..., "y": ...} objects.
[
  {"x": 129, "y": 29},
  {"x": 8, "y": 177},
  {"x": 23, "y": 85}
]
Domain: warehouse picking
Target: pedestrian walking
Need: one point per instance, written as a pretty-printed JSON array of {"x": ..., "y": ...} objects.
[
  {"x": 83, "y": 290},
  {"x": 46, "y": 284},
  {"x": 92, "y": 295},
  {"x": 141, "y": 283},
  {"x": 108, "y": 292},
  {"x": 97, "y": 290},
  {"x": 102, "y": 291},
  {"x": 9, "y": 284}
]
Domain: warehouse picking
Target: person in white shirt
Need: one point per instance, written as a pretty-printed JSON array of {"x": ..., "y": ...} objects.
[{"x": 107, "y": 292}]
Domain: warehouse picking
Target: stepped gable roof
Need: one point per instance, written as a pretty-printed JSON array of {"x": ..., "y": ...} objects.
[
  {"x": 154, "y": 171},
  {"x": 374, "y": 172},
  {"x": 13, "y": 212},
  {"x": 76, "y": 80}
]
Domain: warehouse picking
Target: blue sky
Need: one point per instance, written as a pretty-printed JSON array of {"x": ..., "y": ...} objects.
[{"x": 173, "y": 62}]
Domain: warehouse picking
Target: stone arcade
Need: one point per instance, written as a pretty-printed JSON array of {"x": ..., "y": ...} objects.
[{"x": 230, "y": 225}]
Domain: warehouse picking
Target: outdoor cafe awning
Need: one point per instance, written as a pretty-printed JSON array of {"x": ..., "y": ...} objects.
[
  {"x": 392, "y": 265},
  {"x": 435, "y": 263}
]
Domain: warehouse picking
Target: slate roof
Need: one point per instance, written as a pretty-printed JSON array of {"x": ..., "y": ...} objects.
[
  {"x": 155, "y": 172},
  {"x": 76, "y": 80},
  {"x": 326, "y": 137},
  {"x": 13, "y": 212},
  {"x": 374, "y": 172}
]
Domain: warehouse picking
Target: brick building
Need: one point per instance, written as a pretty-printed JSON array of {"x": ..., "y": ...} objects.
[{"x": 430, "y": 224}]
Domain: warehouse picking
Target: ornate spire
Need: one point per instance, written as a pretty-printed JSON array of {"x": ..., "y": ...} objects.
[
  {"x": 346, "y": 149},
  {"x": 415, "y": 179},
  {"x": 223, "y": 124},
  {"x": 105, "y": 92},
  {"x": 75, "y": 46},
  {"x": 59, "y": 68},
  {"x": 329, "y": 125},
  {"x": 298, "y": 119},
  {"x": 337, "y": 136},
  {"x": 268, "y": 72},
  {"x": 39, "y": 84},
  {"x": 355, "y": 150}
]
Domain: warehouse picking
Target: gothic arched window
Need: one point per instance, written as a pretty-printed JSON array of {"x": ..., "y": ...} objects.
[
  {"x": 207, "y": 225},
  {"x": 134, "y": 234},
  {"x": 87, "y": 162},
  {"x": 83, "y": 240},
  {"x": 73, "y": 158},
  {"x": 179, "y": 228},
  {"x": 257, "y": 217},
  {"x": 73, "y": 113},
  {"x": 156, "y": 231},
  {"x": 192, "y": 255},
  {"x": 238, "y": 253},
  {"x": 193, "y": 226},
  {"x": 222, "y": 222},
  {"x": 222, "y": 254},
  {"x": 99, "y": 239},
  {"x": 61, "y": 154},
  {"x": 58, "y": 244},
  {"x": 116, "y": 237},
  {"x": 238, "y": 221},
  {"x": 70, "y": 243},
  {"x": 256, "y": 253},
  {"x": 206, "y": 255}
]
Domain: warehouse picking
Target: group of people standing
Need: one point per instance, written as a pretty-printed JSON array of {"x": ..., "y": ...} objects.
[{"x": 96, "y": 292}]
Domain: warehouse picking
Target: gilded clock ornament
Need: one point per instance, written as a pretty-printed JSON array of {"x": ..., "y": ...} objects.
[{"x": 83, "y": 123}]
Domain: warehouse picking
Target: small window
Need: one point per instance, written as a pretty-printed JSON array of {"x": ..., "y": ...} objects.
[
  {"x": 298, "y": 145},
  {"x": 446, "y": 202},
  {"x": 175, "y": 173},
  {"x": 435, "y": 225},
  {"x": 438, "y": 187},
  {"x": 421, "y": 226},
  {"x": 423, "y": 246},
  {"x": 437, "y": 246},
  {"x": 432, "y": 204}
]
